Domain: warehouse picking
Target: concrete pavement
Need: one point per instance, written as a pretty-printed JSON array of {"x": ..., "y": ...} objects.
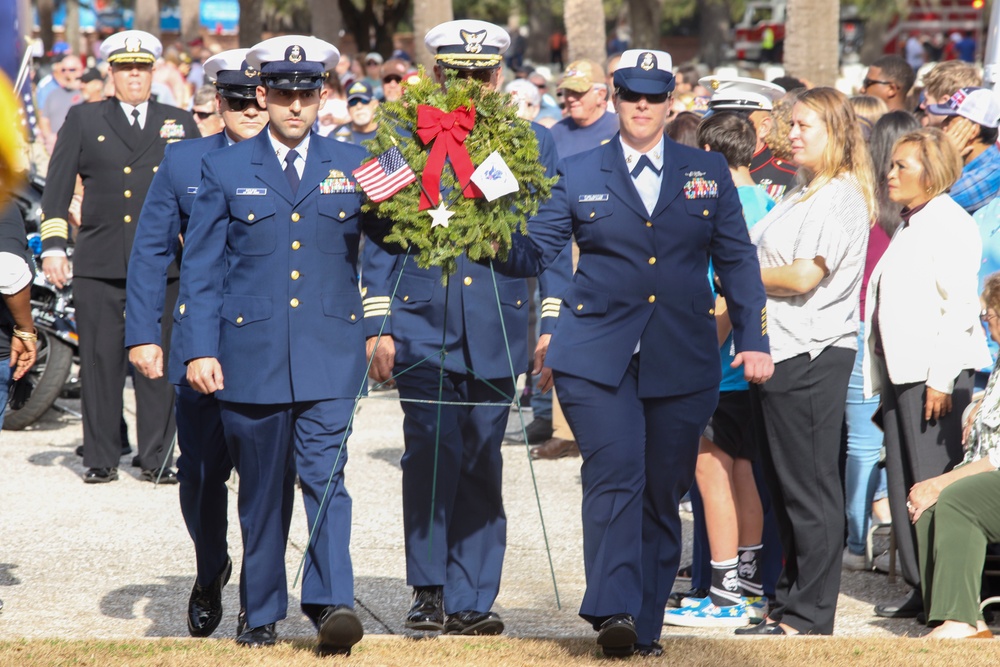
[{"x": 115, "y": 561}]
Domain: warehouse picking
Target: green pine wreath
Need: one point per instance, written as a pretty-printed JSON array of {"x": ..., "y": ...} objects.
[{"x": 478, "y": 225}]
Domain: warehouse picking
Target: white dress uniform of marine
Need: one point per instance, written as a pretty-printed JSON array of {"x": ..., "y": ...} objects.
[
  {"x": 456, "y": 535},
  {"x": 635, "y": 354},
  {"x": 117, "y": 158},
  {"x": 204, "y": 464},
  {"x": 271, "y": 291}
]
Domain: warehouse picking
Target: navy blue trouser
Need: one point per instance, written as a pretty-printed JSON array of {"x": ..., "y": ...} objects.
[
  {"x": 203, "y": 468},
  {"x": 269, "y": 443},
  {"x": 453, "y": 517},
  {"x": 639, "y": 457}
]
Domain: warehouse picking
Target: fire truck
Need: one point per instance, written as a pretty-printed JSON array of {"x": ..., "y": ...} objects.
[{"x": 764, "y": 21}]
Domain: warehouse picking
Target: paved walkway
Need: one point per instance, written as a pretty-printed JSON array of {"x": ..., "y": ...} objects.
[{"x": 115, "y": 561}]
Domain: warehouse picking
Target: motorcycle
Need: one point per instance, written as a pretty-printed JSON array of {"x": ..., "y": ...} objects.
[{"x": 55, "y": 322}]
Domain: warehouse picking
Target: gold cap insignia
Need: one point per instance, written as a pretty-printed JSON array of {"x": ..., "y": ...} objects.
[
  {"x": 648, "y": 61},
  {"x": 133, "y": 44},
  {"x": 296, "y": 55},
  {"x": 473, "y": 40}
]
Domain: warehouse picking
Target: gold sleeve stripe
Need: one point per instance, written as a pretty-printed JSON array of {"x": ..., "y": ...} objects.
[
  {"x": 550, "y": 311},
  {"x": 376, "y": 299},
  {"x": 55, "y": 228},
  {"x": 551, "y": 300},
  {"x": 381, "y": 312}
]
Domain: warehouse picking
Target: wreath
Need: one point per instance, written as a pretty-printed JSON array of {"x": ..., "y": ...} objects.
[{"x": 477, "y": 227}]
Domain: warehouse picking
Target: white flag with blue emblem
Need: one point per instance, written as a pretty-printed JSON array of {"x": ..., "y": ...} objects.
[{"x": 495, "y": 178}]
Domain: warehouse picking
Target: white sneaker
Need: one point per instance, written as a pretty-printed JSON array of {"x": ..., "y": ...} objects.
[
  {"x": 854, "y": 562},
  {"x": 707, "y": 615}
]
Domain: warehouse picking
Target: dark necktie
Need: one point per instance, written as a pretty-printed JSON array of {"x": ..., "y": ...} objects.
[
  {"x": 136, "y": 128},
  {"x": 644, "y": 162},
  {"x": 290, "y": 173}
]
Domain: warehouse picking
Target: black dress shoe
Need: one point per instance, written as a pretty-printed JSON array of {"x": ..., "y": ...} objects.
[
  {"x": 265, "y": 635},
  {"x": 763, "y": 629},
  {"x": 616, "y": 636},
  {"x": 100, "y": 475},
  {"x": 136, "y": 463},
  {"x": 169, "y": 476},
  {"x": 205, "y": 604},
  {"x": 538, "y": 431},
  {"x": 427, "y": 611},
  {"x": 471, "y": 622},
  {"x": 339, "y": 630},
  {"x": 908, "y": 607},
  {"x": 677, "y": 597},
  {"x": 654, "y": 650}
]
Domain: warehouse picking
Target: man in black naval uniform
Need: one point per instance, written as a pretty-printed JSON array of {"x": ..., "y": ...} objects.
[
  {"x": 115, "y": 146},
  {"x": 755, "y": 99}
]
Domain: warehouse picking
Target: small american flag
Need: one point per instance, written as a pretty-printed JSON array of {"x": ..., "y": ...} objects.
[{"x": 384, "y": 176}]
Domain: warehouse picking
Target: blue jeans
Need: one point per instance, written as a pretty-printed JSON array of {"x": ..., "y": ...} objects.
[
  {"x": 5, "y": 373},
  {"x": 864, "y": 480}
]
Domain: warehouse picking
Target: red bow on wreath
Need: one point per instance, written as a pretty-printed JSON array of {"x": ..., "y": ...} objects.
[{"x": 448, "y": 132}]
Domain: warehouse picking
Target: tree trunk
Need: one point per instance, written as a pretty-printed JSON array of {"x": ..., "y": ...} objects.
[
  {"x": 540, "y": 26},
  {"x": 713, "y": 31},
  {"x": 190, "y": 20},
  {"x": 585, "y": 29},
  {"x": 251, "y": 22},
  {"x": 327, "y": 21},
  {"x": 812, "y": 34},
  {"x": 872, "y": 44},
  {"x": 45, "y": 10},
  {"x": 426, "y": 15},
  {"x": 72, "y": 27},
  {"x": 644, "y": 21},
  {"x": 147, "y": 16}
]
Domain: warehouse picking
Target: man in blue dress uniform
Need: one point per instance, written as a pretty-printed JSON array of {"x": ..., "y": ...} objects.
[
  {"x": 636, "y": 358},
  {"x": 272, "y": 323},
  {"x": 455, "y": 533},
  {"x": 204, "y": 464}
]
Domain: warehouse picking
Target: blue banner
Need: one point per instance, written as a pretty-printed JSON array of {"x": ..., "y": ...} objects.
[{"x": 216, "y": 16}]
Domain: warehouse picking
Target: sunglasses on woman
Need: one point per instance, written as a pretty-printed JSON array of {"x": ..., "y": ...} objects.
[{"x": 631, "y": 96}]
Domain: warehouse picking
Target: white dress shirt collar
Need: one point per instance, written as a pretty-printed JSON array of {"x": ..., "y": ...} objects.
[{"x": 143, "y": 110}]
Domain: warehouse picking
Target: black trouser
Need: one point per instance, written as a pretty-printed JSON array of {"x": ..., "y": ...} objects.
[
  {"x": 916, "y": 450},
  {"x": 803, "y": 405},
  {"x": 100, "y": 321}
]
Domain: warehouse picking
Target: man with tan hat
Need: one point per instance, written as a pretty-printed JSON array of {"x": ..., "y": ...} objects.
[{"x": 587, "y": 123}]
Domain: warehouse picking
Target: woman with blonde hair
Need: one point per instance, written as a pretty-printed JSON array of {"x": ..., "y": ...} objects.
[
  {"x": 924, "y": 340},
  {"x": 812, "y": 249}
]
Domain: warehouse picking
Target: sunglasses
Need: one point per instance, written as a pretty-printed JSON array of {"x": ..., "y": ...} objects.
[
  {"x": 986, "y": 316},
  {"x": 240, "y": 103},
  {"x": 203, "y": 115},
  {"x": 392, "y": 79},
  {"x": 631, "y": 96},
  {"x": 868, "y": 83},
  {"x": 356, "y": 101}
]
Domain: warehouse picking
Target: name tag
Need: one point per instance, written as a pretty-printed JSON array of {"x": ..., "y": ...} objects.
[
  {"x": 251, "y": 191},
  {"x": 193, "y": 191},
  {"x": 589, "y": 198}
]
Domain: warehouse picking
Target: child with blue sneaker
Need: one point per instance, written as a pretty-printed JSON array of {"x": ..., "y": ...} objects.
[{"x": 724, "y": 472}]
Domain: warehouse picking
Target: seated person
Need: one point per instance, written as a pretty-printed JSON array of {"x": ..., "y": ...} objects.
[{"x": 958, "y": 513}]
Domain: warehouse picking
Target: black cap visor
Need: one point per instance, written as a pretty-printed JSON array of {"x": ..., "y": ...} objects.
[{"x": 638, "y": 80}]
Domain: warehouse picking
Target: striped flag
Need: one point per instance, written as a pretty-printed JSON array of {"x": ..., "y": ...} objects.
[{"x": 384, "y": 176}]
